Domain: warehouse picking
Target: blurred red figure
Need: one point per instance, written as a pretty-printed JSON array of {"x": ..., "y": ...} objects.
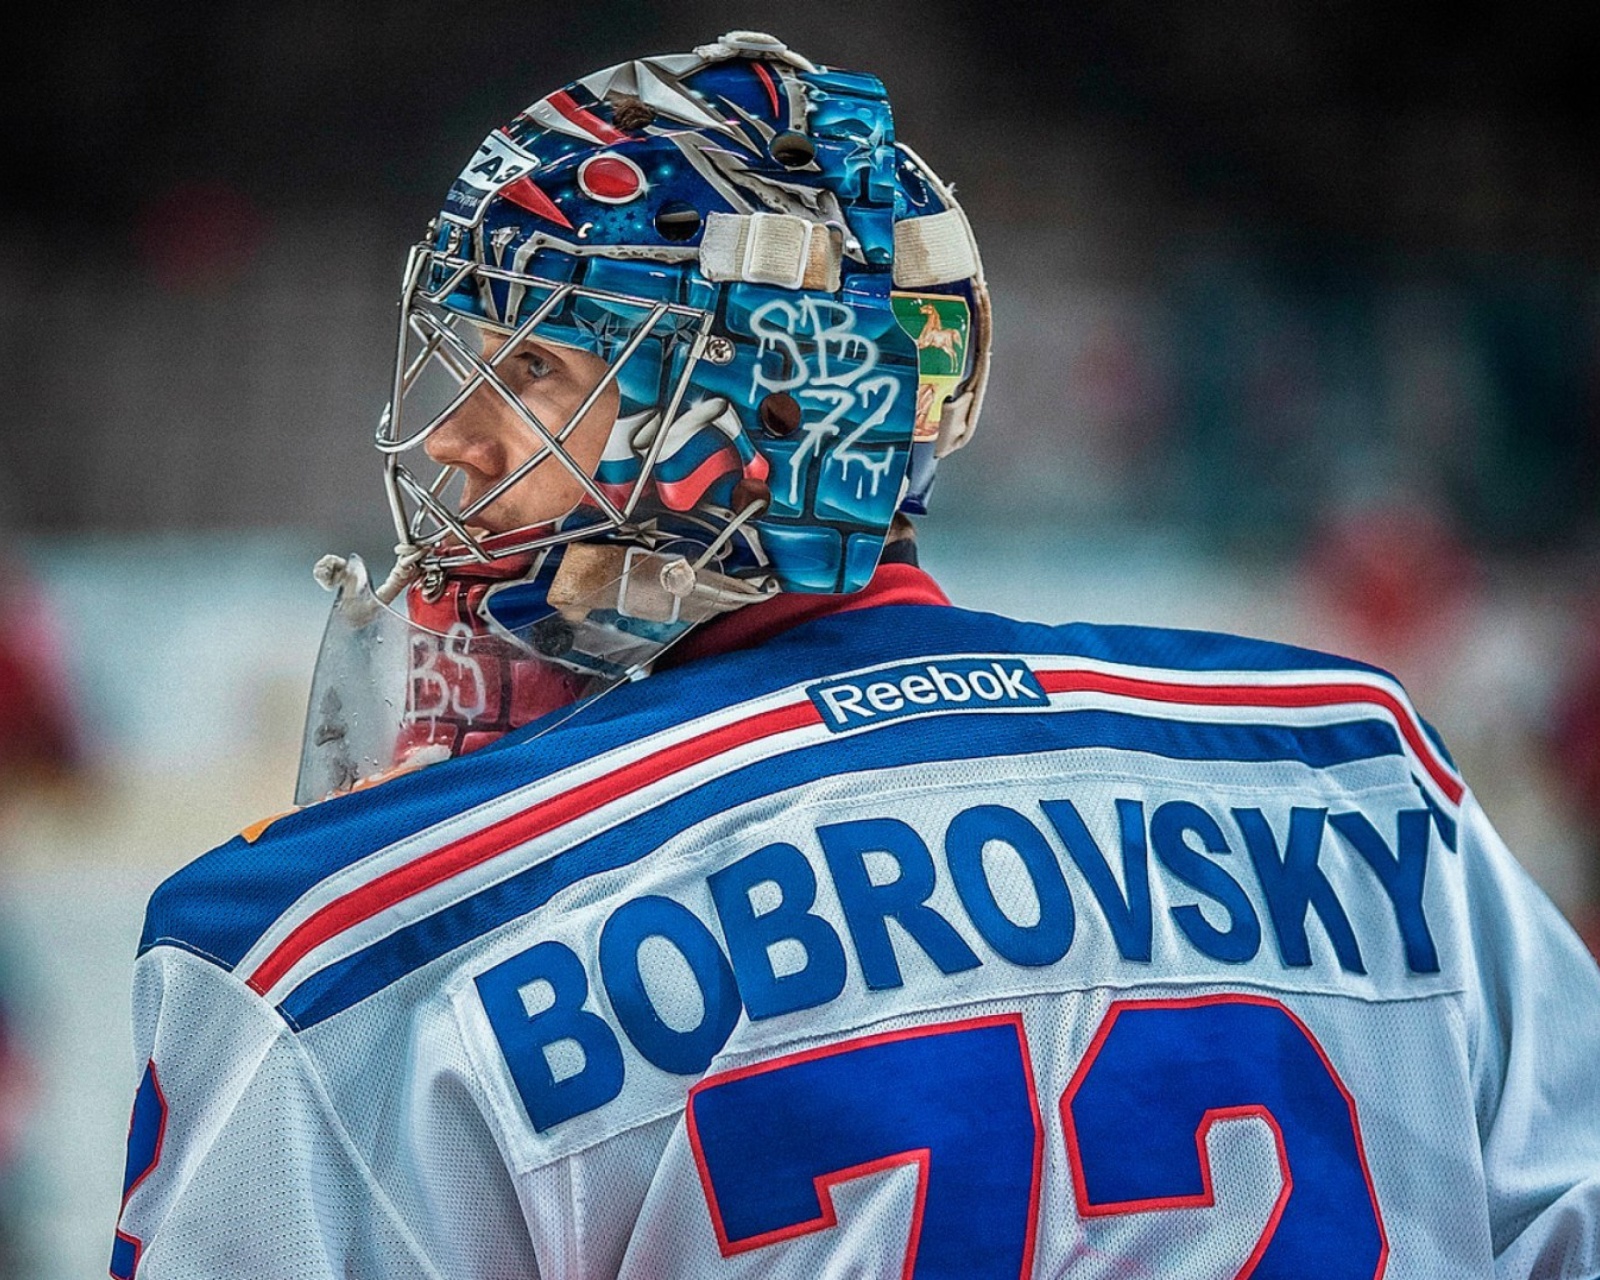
[
  {"x": 39, "y": 735},
  {"x": 1574, "y": 745},
  {"x": 18, "y": 1086},
  {"x": 1400, "y": 585},
  {"x": 40, "y": 746}
]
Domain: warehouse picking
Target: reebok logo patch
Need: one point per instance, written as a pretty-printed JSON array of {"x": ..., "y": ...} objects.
[{"x": 956, "y": 684}]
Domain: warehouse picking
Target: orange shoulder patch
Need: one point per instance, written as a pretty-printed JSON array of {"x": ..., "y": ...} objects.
[{"x": 255, "y": 830}]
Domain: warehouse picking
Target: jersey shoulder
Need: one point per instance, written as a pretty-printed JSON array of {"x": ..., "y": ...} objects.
[
  {"x": 221, "y": 905},
  {"x": 1314, "y": 702},
  {"x": 1173, "y": 648}
]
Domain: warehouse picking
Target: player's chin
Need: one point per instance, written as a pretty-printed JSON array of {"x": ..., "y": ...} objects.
[
  {"x": 529, "y": 515},
  {"x": 509, "y": 535}
]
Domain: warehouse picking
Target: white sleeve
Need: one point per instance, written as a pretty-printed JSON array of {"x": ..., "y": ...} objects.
[
  {"x": 1534, "y": 1017},
  {"x": 238, "y": 1165}
]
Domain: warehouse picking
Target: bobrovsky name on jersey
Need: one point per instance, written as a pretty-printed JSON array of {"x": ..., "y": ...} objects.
[{"x": 789, "y": 923}]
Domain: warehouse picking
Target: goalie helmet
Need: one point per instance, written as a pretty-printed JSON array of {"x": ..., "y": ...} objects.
[{"x": 775, "y": 322}]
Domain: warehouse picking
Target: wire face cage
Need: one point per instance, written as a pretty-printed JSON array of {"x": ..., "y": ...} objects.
[{"x": 447, "y": 354}]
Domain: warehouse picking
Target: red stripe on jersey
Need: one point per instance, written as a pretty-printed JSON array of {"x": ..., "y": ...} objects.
[
  {"x": 1256, "y": 695},
  {"x": 590, "y": 123},
  {"x": 441, "y": 864}
]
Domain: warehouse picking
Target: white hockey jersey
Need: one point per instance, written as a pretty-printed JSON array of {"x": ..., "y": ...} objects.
[{"x": 911, "y": 943}]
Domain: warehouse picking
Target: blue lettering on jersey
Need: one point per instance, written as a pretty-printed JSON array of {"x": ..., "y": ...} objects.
[
  {"x": 753, "y": 937},
  {"x": 1170, "y": 828},
  {"x": 1048, "y": 938},
  {"x": 1401, "y": 875},
  {"x": 685, "y": 1053},
  {"x": 1128, "y": 917},
  {"x": 870, "y": 905},
  {"x": 1293, "y": 883},
  {"x": 961, "y": 685},
  {"x": 883, "y": 870},
  {"x": 552, "y": 976}
]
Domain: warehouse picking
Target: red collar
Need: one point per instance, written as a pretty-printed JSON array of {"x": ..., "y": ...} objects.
[{"x": 757, "y": 623}]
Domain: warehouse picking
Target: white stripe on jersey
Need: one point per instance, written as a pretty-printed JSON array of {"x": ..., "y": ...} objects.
[{"x": 1387, "y": 698}]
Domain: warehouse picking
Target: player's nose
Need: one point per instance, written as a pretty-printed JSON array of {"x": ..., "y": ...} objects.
[{"x": 472, "y": 436}]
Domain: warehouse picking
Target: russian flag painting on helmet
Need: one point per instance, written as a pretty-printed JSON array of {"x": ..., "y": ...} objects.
[{"x": 771, "y": 321}]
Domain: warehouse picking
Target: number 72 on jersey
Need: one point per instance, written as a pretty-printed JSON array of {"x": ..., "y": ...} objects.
[{"x": 958, "y": 1101}]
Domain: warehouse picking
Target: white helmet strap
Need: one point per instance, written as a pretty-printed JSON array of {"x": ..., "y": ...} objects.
[{"x": 772, "y": 248}]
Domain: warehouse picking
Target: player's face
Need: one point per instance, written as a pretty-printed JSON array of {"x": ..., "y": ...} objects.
[{"x": 486, "y": 440}]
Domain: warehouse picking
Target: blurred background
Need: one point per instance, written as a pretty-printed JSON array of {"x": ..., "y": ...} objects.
[{"x": 1298, "y": 335}]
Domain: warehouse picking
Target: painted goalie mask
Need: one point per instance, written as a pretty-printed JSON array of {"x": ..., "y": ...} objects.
[{"x": 686, "y": 333}]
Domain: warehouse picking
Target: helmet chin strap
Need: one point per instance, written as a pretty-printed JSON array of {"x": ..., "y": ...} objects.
[
  {"x": 654, "y": 587},
  {"x": 647, "y": 585},
  {"x": 592, "y": 581},
  {"x": 407, "y": 564}
]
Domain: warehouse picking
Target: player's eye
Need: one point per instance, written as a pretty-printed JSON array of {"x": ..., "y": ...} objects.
[{"x": 536, "y": 364}]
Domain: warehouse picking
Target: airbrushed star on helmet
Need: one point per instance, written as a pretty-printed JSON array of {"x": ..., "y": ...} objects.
[{"x": 788, "y": 315}]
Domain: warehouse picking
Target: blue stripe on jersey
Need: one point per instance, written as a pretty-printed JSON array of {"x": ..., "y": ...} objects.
[
  {"x": 930, "y": 740},
  {"x": 219, "y": 905}
]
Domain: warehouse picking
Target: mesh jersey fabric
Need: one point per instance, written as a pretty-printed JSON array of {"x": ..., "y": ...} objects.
[{"x": 912, "y": 942}]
